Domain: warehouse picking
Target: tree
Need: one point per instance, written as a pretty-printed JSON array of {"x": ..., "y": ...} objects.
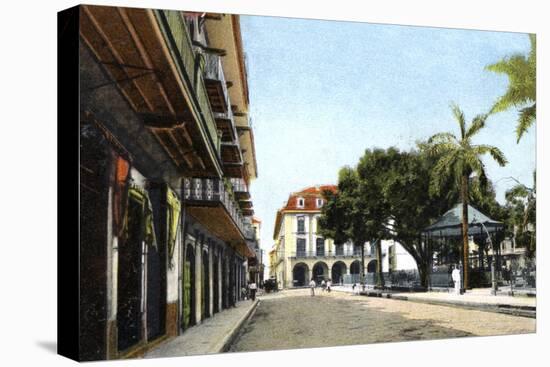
[
  {"x": 522, "y": 86},
  {"x": 356, "y": 213},
  {"x": 387, "y": 197},
  {"x": 458, "y": 159},
  {"x": 412, "y": 207},
  {"x": 521, "y": 202}
]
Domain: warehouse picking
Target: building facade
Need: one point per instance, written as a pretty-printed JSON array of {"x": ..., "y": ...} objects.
[
  {"x": 300, "y": 253},
  {"x": 166, "y": 158}
]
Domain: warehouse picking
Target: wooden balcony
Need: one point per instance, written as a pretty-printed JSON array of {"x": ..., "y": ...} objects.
[
  {"x": 148, "y": 57},
  {"x": 215, "y": 82},
  {"x": 245, "y": 204}
]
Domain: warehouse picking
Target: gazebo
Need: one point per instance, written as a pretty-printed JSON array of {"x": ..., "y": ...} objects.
[{"x": 484, "y": 230}]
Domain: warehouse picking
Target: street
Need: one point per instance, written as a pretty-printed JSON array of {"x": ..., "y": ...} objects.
[{"x": 294, "y": 319}]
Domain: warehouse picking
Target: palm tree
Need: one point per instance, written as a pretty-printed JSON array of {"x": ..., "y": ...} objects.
[
  {"x": 522, "y": 87},
  {"x": 458, "y": 158}
]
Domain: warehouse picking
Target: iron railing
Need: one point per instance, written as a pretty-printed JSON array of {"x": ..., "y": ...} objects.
[
  {"x": 314, "y": 254},
  {"x": 213, "y": 190}
]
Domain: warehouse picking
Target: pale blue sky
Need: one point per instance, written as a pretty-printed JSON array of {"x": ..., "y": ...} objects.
[{"x": 322, "y": 92}]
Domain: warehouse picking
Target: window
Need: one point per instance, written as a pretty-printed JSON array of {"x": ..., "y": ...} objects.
[
  {"x": 320, "y": 247},
  {"x": 300, "y": 202},
  {"x": 319, "y": 203},
  {"x": 356, "y": 250},
  {"x": 301, "y": 247},
  {"x": 339, "y": 250},
  {"x": 301, "y": 225}
]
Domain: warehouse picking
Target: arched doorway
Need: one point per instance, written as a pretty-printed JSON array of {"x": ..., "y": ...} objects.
[
  {"x": 355, "y": 267},
  {"x": 338, "y": 271},
  {"x": 205, "y": 291},
  {"x": 320, "y": 272},
  {"x": 300, "y": 275},
  {"x": 188, "y": 317},
  {"x": 371, "y": 266}
]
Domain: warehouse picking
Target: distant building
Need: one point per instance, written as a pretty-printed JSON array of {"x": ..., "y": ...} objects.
[
  {"x": 301, "y": 253},
  {"x": 256, "y": 265}
]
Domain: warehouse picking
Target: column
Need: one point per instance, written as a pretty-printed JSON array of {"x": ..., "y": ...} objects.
[
  {"x": 198, "y": 280},
  {"x": 220, "y": 280}
]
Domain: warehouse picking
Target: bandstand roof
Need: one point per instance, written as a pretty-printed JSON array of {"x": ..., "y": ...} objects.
[{"x": 450, "y": 223}]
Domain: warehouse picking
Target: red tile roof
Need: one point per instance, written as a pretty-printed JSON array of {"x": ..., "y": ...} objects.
[{"x": 310, "y": 196}]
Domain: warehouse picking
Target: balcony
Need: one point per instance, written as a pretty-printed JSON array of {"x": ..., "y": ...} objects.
[
  {"x": 324, "y": 254},
  {"x": 212, "y": 204},
  {"x": 216, "y": 85},
  {"x": 173, "y": 27},
  {"x": 148, "y": 57},
  {"x": 240, "y": 188}
]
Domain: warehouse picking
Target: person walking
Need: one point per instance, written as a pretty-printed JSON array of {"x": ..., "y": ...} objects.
[
  {"x": 252, "y": 287},
  {"x": 329, "y": 284},
  {"x": 312, "y": 286},
  {"x": 456, "y": 279},
  {"x": 323, "y": 285}
]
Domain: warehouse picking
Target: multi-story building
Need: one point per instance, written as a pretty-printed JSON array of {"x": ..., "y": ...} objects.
[
  {"x": 166, "y": 159},
  {"x": 301, "y": 253},
  {"x": 256, "y": 266}
]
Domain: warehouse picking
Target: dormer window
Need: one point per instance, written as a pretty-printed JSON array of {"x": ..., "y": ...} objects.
[
  {"x": 319, "y": 203},
  {"x": 300, "y": 202}
]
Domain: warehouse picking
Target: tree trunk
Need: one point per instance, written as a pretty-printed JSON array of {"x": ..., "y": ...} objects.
[
  {"x": 465, "y": 249},
  {"x": 423, "y": 274}
]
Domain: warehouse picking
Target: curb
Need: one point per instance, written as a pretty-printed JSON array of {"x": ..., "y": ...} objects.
[
  {"x": 230, "y": 338},
  {"x": 524, "y": 311}
]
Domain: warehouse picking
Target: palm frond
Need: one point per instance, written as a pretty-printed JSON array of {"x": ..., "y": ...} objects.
[
  {"x": 495, "y": 153},
  {"x": 442, "y": 138},
  {"x": 527, "y": 116},
  {"x": 459, "y": 116},
  {"x": 477, "y": 124}
]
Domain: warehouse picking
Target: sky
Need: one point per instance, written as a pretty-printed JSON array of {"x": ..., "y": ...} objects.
[{"x": 321, "y": 92}]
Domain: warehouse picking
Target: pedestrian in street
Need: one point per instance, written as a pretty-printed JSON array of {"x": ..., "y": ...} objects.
[
  {"x": 353, "y": 288},
  {"x": 244, "y": 293},
  {"x": 323, "y": 285},
  {"x": 329, "y": 284},
  {"x": 456, "y": 279},
  {"x": 312, "y": 286},
  {"x": 252, "y": 286}
]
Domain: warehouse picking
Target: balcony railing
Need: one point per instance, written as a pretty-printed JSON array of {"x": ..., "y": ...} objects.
[
  {"x": 215, "y": 80},
  {"x": 174, "y": 27},
  {"x": 331, "y": 254},
  {"x": 239, "y": 185},
  {"x": 213, "y": 191}
]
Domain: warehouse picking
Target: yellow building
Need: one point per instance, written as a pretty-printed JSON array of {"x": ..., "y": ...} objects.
[{"x": 301, "y": 253}]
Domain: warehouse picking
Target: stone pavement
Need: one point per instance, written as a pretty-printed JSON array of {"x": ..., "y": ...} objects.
[
  {"x": 475, "y": 298},
  {"x": 213, "y": 335}
]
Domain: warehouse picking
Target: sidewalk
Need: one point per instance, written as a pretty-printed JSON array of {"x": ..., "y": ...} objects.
[
  {"x": 475, "y": 298},
  {"x": 213, "y": 335}
]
